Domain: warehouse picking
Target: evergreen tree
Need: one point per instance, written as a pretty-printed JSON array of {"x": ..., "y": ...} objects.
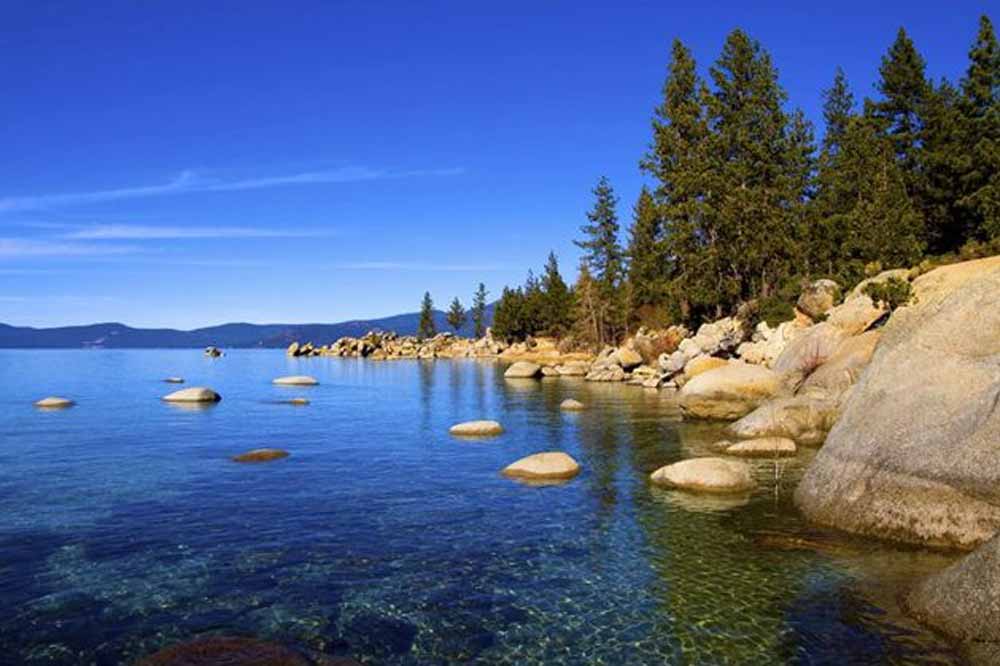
[
  {"x": 508, "y": 318},
  {"x": 426, "y": 328},
  {"x": 557, "y": 311},
  {"x": 904, "y": 90},
  {"x": 980, "y": 146},
  {"x": 479, "y": 311},
  {"x": 588, "y": 313},
  {"x": 646, "y": 262},
  {"x": 838, "y": 109},
  {"x": 456, "y": 315},
  {"x": 532, "y": 313},
  {"x": 604, "y": 259},
  {"x": 947, "y": 224},
  {"x": 677, "y": 159}
]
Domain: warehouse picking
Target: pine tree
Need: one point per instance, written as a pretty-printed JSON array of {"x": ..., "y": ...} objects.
[
  {"x": 508, "y": 318},
  {"x": 646, "y": 262},
  {"x": 838, "y": 109},
  {"x": 759, "y": 161},
  {"x": 677, "y": 159},
  {"x": 980, "y": 146},
  {"x": 588, "y": 314},
  {"x": 532, "y": 313},
  {"x": 426, "y": 329},
  {"x": 603, "y": 256},
  {"x": 456, "y": 315},
  {"x": 904, "y": 90},
  {"x": 942, "y": 164},
  {"x": 557, "y": 311},
  {"x": 479, "y": 311}
]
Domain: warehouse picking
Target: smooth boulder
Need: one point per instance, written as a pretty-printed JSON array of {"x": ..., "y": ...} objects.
[
  {"x": 763, "y": 447},
  {"x": 728, "y": 392},
  {"x": 702, "y": 364},
  {"x": 476, "y": 429},
  {"x": 913, "y": 456},
  {"x": 523, "y": 370},
  {"x": 571, "y": 405},
  {"x": 709, "y": 475},
  {"x": 801, "y": 418},
  {"x": 550, "y": 465},
  {"x": 261, "y": 455},
  {"x": 193, "y": 394},
  {"x": 296, "y": 380},
  {"x": 818, "y": 298},
  {"x": 54, "y": 402}
]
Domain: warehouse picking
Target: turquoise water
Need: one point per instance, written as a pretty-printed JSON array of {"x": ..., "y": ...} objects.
[{"x": 126, "y": 528}]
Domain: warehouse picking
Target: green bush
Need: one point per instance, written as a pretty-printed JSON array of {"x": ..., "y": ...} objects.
[{"x": 891, "y": 293}]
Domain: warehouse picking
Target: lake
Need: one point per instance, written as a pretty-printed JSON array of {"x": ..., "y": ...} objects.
[{"x": 126, "y": 527}]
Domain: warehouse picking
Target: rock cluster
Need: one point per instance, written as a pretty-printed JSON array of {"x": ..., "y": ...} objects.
[{"x": 378, "y": 345}]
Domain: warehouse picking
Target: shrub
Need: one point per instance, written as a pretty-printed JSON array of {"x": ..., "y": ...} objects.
[{"x": 890, "y": 293}]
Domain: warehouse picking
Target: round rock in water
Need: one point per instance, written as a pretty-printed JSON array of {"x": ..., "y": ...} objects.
[
  {"x": 54, "y": 402},
  {"x": 261, "y": 455},
  {"x": 298, "y": 402},
  {"x": 476, "y": 429},
  {"x": 296, "y": 380},
  {"x": 550, "y": 465},
  {"x": 523, "y": 370},
  {"x": 174, "y": 380},
  {"x": 226, "y": 651},
  {"x": 571, "y": 405},
  {"x": 710, "y": 475},
  {"x": 193, "y": 394}
]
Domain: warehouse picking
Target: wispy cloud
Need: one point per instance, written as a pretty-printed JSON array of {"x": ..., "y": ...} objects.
[
  {"x": 149, "y": 232},
  {"x": 22, "y": 247},
  {"x": 416, "y": 266},
  {"x": 192, "y": 181}
]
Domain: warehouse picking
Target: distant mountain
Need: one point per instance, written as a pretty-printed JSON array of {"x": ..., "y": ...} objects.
[{"x": 120, "y": 336}]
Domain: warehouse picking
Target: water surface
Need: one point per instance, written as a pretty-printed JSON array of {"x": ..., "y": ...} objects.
[{"x": 125, "y": 527}]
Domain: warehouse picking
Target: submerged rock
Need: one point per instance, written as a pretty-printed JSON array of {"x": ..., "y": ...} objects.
[
  {"x": 476, "y": 429},
  {"x": 298, "y": 402},
  {"x": 571, "y": 405},
  {"x": 174, "y": 380},
  {"x": 193, "y": 394},
  {"x": 226, "y": 651},
  {"x": 522, "y": 370},
  {"x": 541, "y": 466},
  {"x": 914, "y": 457},
  {"x": 296, "y": 380},
  {"x": 54, "y": 402},
  {"x": 261, "y": 455},
  {"x": 710, "y": 475},
  {"x": 763, "y": 447},
  {"x": 729, "y": 391}
]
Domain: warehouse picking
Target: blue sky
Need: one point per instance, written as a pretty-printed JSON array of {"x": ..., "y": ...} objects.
[{"x": 187, "y": 164}]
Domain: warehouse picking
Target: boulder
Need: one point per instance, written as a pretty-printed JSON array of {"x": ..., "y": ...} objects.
[
  {"x": 729, "y": 391},
  {"x": 700, "y": 364},
  {"x": 606, "y": 373},
  {"x": 571, "y": 405},
  {"x": 574, "y": 369},
  {"x": 174, "y": 380},
  {"x": 476, "y": 429},
  {"x": 962, "y": 601},
  {"x": 801, "y": 418},
  {"x": 551, "y": 465},
  {"x": 522, "y": 370},
  {"x": 54, "y": 402},
  {"x": 214, "y": 352},
  {"x": 261, "y": 455},
  {"x": 193, "y": 394},
  {"x": 818, "y": 298},
  {"x": 843, "y": 368},
  {"x": 293, "y": 349},
  {"x": 809, "y": 350},
  {"x": 709, "y": 475},
  {"x": 296, "y": 380},
  {"x": 913, "y": 456},
  {"x": 763, "y": 447},
  {"x": 627, "y": 358},
  {"x": 549, "y": 371}
]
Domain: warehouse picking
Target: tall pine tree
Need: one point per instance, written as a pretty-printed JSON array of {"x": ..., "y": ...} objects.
[
  {"x": 557, "y": 310},
  {"x": 479, "y": 311},
  {"x": 646, "y": 262},
  {"x": 604, "y": 257},
  {"x": 980, "y": 107},
  {"x": 426, "y": 328},
  {"x": 456, "y": 315}
]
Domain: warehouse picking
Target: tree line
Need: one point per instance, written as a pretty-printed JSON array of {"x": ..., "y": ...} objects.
[{"x": 744, "y": 204}]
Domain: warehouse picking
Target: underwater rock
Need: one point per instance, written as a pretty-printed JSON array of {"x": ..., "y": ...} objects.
[
  {"x": 226, "y": 651},
  {"x": 763, "y": 447},
  {"x": 261, "y": 455},
  {"x": 571, "y": 405}
]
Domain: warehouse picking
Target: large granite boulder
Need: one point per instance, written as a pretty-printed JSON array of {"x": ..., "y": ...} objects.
[
  {"x": 913, "y": 456},
  {"x": 963, "y": 601},
  {"x": 843, "y": 368},
  {"x": 729, "y": 391},
  {"x": 801, "y": 418},
  {"x": 810, "y": 350}
]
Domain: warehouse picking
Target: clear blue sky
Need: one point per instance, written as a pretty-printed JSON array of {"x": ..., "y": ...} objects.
[{"x": 186, "y": 164}]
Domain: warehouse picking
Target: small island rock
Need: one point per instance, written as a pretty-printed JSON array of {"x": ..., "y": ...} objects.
[
  {"x": 571, "y": 405},
  {"x": 710, "y": 475},
  {"x": 54, "y": 402},
  {"x": 193, "y": 394},
  {"x": 476, "y": 429},
  {"x": 296, "y": 380},
  {"x": 550, "y": 465},
  {"x": 174, "y": 380}
]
